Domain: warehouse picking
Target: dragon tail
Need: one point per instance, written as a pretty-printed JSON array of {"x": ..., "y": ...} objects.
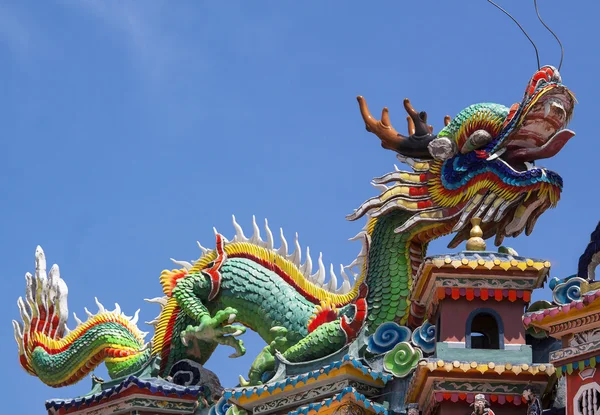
[{"x": 60, "y": 357}]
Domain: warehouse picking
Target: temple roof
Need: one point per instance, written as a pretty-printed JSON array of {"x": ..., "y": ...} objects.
[
  {"x": 346, "y": 394},
  {"x": 480, "y": 274},
  {"x": 434, "y": 364},
  {"x": 487, "y": 260},
  {"x": 157, "y": 386},
  {"x": 558, "y": 312},
  {"x": 326, "y": 371},
  {"x": 558, "y": 319},
  {"x": 473, "y": 370}
]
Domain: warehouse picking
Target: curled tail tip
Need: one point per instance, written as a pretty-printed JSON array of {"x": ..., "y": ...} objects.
[{"x": 44, "y": 314}]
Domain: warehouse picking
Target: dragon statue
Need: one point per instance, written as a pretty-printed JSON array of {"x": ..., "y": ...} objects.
[{"x": 481, "y": 164}]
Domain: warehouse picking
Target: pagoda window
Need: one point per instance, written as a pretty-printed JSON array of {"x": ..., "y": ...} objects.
[
  {"x": 484, "y": 330},
  {"x": 587, "y": 400}
]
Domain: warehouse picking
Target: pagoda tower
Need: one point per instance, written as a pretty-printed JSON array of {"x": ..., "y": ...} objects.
[
  {"x": 573, "y": 317},
  {"x": 476, "y": 299}
]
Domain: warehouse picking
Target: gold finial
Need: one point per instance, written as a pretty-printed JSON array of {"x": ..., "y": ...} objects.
[{"x": 476, "y": 242}]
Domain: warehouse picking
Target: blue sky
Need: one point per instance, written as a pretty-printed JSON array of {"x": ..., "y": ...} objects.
[{"x": 130, "y": 129}]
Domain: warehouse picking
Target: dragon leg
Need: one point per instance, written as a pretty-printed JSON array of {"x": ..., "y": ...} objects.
[
  {"x": 265, "y": 361},
  {"x": 329, "y": 337},
  {"x": 323, "y": 340},
  {"x": 326, "y": 339},
  {"x": 206, "y": 284},
  {"x": 217, "y": 328}
]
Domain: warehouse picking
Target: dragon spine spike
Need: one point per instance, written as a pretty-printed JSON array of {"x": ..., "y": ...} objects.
[
  {"x": 296, "y": 256},
  {"x": 396, "y": 168},
  {"x": 365, "y": 240},
  {"x": 135, "y": 317},
  {"x": 283, "y": 249},
  {"x": 319, "y": 276},
  {"x": 184, "y": 264},
  {"x": 270, "y": 244},
  {"x": 117, "y": 309},
  {"x": 346, "y": 284},
  {"x": 354, "y": 263},
  {"x": 162, "y": 301},
  {"x": 332, "y": 285},
  {"x": 203, "y": 249},
  {"x": 101, "y": 308},
  {"x": 153, "y": 322},
  {"x": 306, "y": 268},
  {"x": 88, "y": 312},
  {"x": 239, "y": 232},
  {"x": 358, "y": 236},
  {"x": 77, "y": 320},
  {"x": 256, "y": 239}
]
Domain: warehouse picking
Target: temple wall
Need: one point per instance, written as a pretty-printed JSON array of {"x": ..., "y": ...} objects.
[
  {"x": 578, "y": 384},
  {"x": 456, "y": 312}
]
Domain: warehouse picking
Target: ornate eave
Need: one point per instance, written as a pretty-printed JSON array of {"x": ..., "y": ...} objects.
[
  {"x": 566, "y": 319},
  {"x": 321, "y": 385},
  {"x": 132, "y": 394},
  {"x": 435, "y": 381},
  {"x": 331, "y": 405},
  {"x": 471, "y": 274}
]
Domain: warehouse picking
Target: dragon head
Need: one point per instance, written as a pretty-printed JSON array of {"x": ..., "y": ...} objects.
[
  {"x": 535, "y": 128},
  {"x": 481, "y": 164}
]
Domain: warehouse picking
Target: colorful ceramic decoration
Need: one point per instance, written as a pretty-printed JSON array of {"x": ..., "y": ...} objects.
[
  {"x": 480, "y": 165},
  {"x": 424, "y": 337},
  {"x": 402, "y": 359},
  {"x": 387, "y": 336},
  {"x": 566, "y": 290}
]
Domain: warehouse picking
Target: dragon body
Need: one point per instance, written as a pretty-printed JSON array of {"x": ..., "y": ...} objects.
[{"x": 479, "y": 165}]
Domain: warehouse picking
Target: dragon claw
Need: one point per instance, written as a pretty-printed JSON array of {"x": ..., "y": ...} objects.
[
  {"x": 217, "y": 329},
  {"x": 243, "y": 382}
]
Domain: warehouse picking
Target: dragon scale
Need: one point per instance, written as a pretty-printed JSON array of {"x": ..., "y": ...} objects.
[{"x": 479, "y": 165}]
